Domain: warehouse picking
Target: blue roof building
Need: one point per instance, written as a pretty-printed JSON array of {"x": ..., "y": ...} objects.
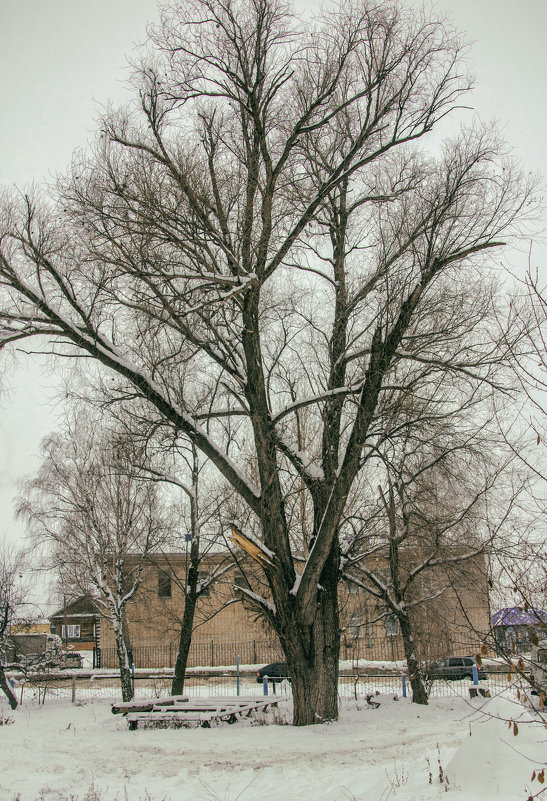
[
  {"x": 516, "y": 628},
  {"x": 519, "y": 616}
]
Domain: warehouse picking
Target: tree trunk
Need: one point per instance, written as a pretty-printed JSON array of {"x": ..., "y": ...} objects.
[
  {"x": 326, "y": 640},
  {"x": 6, "y": 687},
  {"x": 314, "y": 670},
  {"x": 191, "y": 588},
  {"x": 312, "y": 655},
  {"x": 303, "y": 682},
  {"x": 127, "y": 641},
  {"x": 419, "y": 694},
  {"x": 123, "y": 661},
  {"x": 185, "y": 640}
]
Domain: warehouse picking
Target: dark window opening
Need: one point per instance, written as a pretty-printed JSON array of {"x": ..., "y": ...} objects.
[
  {"x": 164, "y": 585},
  {"x": 240, "y": 580},
  {"x": 391, "y": 625}
]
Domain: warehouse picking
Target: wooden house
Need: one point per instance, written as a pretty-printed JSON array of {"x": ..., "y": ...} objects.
[{"x": 77, "y": 624}]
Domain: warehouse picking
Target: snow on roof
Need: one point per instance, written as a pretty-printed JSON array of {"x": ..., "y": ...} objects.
[{"x": 519, "y": 616}]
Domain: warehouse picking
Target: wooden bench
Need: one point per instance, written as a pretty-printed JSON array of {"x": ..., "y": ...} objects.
[
  {"x": 181, "y": 717},
  {"x": 200, "y": 711},
  {"x": 219, "y": 702},
  {"x": 146, "y": 705}
]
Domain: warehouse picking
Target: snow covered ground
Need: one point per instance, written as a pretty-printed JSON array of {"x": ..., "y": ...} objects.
[{"x": 396, "y": 752}]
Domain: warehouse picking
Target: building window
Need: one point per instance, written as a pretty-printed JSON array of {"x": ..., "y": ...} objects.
[
  {"x": 70, "y": 632},
  {"x": 164, "y": 585},
  {"x": 392, "y": 625},
  {"x": 355, "y": 627},
  {"x": 240, "y": 580}
]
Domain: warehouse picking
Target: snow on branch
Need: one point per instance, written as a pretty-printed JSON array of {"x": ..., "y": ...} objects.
[
  {"x": 264, "y": 605},
  {"x": 206, "y": 582},
  {"x": 109, "y": 355},
  {"x": 380, "y": 588},
  {"x": 301, "y": 461}
]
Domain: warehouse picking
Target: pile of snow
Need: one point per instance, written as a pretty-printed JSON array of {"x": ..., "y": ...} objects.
[{"x": 398, "y": 751}]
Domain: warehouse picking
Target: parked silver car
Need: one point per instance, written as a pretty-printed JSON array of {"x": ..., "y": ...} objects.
[{"x": 454, "y": 668}]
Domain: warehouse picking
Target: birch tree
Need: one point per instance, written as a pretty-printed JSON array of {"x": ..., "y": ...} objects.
[
  {"x": 96, "y": 519},
  {"x": 193, "y": 499},
  {"x": 265, "y": 216}
]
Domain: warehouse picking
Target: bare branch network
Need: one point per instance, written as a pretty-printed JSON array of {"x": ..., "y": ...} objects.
[{"x": 261, "y": 251}]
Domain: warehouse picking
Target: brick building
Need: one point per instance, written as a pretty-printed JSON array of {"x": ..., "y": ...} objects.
[{"x": 225, "y": 628}]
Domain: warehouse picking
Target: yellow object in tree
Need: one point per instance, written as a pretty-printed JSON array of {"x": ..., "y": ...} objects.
[{"x": 250, "y": 547}]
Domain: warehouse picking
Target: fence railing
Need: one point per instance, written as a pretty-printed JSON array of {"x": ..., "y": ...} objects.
[
  {"x": 202, "y": 654},
  {"x": 102, "y": 687},
  {"x": 212, "y": 653}
]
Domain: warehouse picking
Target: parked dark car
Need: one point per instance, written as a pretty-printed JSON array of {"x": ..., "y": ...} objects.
[
  {"x": 275, "y": 672},
  {"x": 453, "y": 668},
  {"x": 71, "y": 659}
]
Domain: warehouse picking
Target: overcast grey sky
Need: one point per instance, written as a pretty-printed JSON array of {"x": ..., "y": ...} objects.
[{"x": 60, "y": 60}]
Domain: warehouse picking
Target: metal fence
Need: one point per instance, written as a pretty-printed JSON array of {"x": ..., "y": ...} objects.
[
  {"x": 205, "y": 654},
  {"x": 212, "y": 653},
  {"x": 101, "y": 687}
]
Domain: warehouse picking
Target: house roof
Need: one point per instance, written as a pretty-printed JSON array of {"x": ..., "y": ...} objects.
[
  {"x": 81, "y": 607},
  {"x": 519, "y": 616}
]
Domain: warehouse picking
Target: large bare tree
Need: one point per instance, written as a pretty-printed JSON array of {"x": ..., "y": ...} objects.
[{"x": 261, "y": 234}]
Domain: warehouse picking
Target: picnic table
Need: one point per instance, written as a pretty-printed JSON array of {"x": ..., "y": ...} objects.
[{"x": 181, "y": 711}]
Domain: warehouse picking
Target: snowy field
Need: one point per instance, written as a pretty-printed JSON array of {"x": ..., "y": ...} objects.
[{"x": 396, "y": 752}]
